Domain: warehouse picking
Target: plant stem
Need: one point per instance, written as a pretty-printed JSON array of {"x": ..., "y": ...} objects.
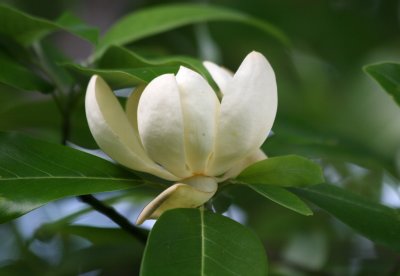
[{"x": 116, "y": 217}]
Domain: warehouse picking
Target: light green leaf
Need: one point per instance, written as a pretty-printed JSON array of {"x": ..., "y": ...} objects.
[
  {"x": 26, "y": 28},
  {"x": 17, "y": 76},
  {"x": 33, "y": 173},
  {"x": 284, "y": 171},
  {"x": 194, "y": 242},
  {"x": 283, "y": 197},
  {"x": 151, "y": 21},
  {"x": 387, "y": 74},
  {"x": 120, "y": 78},
  {"x": 375, "y": 221}
]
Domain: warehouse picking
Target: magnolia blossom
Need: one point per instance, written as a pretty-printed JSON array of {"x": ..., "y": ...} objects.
[{"x": 176, "y": 128}]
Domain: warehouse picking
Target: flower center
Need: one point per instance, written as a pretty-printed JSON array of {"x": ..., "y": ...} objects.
[{"x": 202, "y": 183}]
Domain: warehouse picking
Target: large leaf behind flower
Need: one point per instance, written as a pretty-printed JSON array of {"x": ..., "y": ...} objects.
[
  {"x": 195, "y": 242},
  {"x": 33, "y": 173},
  {"x": 151, "y": 21},
  {"x": 375, "y": 221}
]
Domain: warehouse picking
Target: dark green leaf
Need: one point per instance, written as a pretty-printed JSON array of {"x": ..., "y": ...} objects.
[
  {"x": 283, "y": 197},
  {"x": 27, "y": 29},
  {"x": 194, "y": 242},
  {"x": 284, "y": 171},
  {"x": 76, "y": 26},
  {"x": 388, "y": 76},
  {"x": 121, "y": 78},
  {"x": 17, "y": 76},
  {"x": 155, "y": 20},
  {"x": 375, "y": 221},
  {"x": 34, "y": 173}
]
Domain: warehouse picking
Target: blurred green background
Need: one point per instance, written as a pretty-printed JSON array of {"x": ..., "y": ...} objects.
[{"x": 329, "y": 109}]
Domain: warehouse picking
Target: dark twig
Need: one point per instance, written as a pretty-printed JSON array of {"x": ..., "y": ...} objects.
[{"x": 116, "y": 217}]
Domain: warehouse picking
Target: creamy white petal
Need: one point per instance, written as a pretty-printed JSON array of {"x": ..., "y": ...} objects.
[
  {"x": 160, "y": 124},
  {"x": 112, "y": 131},
  {"x": 247, "y": 113},
  {"x": 179, "y": 195},
  {"x": 220, "y": 75},
  {"x": 131, "y": 107},
  {"x": 200, "y": 108},
  {"x": 254, "y": 157}
]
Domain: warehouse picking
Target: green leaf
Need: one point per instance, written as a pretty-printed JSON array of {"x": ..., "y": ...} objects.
[
  {"x": 284, "y": 171},
  {"x": 33, "y": 173},
  {"x": 26, "y": 28},
  {"x": 151, "y": 21},
  {"x": 17, "y": 76},
  {"x": 283, "y": 197},
  {"x": 121, "y": 78},
  {"x": 117, "y": 57},
  {"x": 375, "y": 221},
  {"x": 76, "y": 26},
  {"x": 194, "y": 242},
  {"x": 387, "y": 74}
]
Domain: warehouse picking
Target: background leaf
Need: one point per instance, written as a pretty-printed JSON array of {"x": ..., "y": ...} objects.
[
  {"x": 195, "y": 242},
  {"x": 283, "y": 197},
  {"x": 34, "y": 173},
  {"x": 387, "y": 74},
  {"x": 377, "y": 222},
  {"x": 121, "y": 78},
  {"x": 117, "y": 57},
  {"x": 26, "y": 28},
  {"x": 155, "y": 20},
  {"x": 284, "y": 171},
  {"x": 17, "y": 76}
]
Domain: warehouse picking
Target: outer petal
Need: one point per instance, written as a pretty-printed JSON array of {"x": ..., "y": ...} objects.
[
  {"x": 160, "y": 124},
  {"x": 112, "y": 131},
  {"x": 131, "y": 107},
  {"x": 220, "y": 75},
  {"x": 254, "y": 157},
  {"x": 200, "y": 108},
  {"x": 247, "y": 113},
  {"x": 180, "y": 196}
]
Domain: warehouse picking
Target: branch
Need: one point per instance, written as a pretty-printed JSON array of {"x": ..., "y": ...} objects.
[{"x": 116, "y": 217}]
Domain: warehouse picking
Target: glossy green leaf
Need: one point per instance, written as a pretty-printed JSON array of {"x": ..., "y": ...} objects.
[
  {"x": 283, "y": 197},
  {"x": 117, "y": 57},
  {"x": 27, "y": 29},
  {"x": 195, "y": 242},
  {"x": 284, "y": 171},
  {"x": 375, "y": 221},
  {"x": 121, "y": 78},
  {"x": 151, "y": 21},
  {"x": 17, "y": 76},
  {"x": 34, "y": 173},
  {"x": 387, "y": 74}
]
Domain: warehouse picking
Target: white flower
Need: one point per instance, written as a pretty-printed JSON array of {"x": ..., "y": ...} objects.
[{"x": 177, "y": 129}]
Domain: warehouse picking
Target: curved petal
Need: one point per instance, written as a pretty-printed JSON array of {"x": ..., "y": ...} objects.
[
  {"x": 160, "y": 124},
  {"x": 112, "y": 131},
  {"x": 220, "y": 75},
  {"x": 200, "y": 108},
  {"x": 131, "y": 107},
  {"x": 179, "y": 196},
  {"x": 254, "y": 157},
  {"x": 247, "y": 113}
]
